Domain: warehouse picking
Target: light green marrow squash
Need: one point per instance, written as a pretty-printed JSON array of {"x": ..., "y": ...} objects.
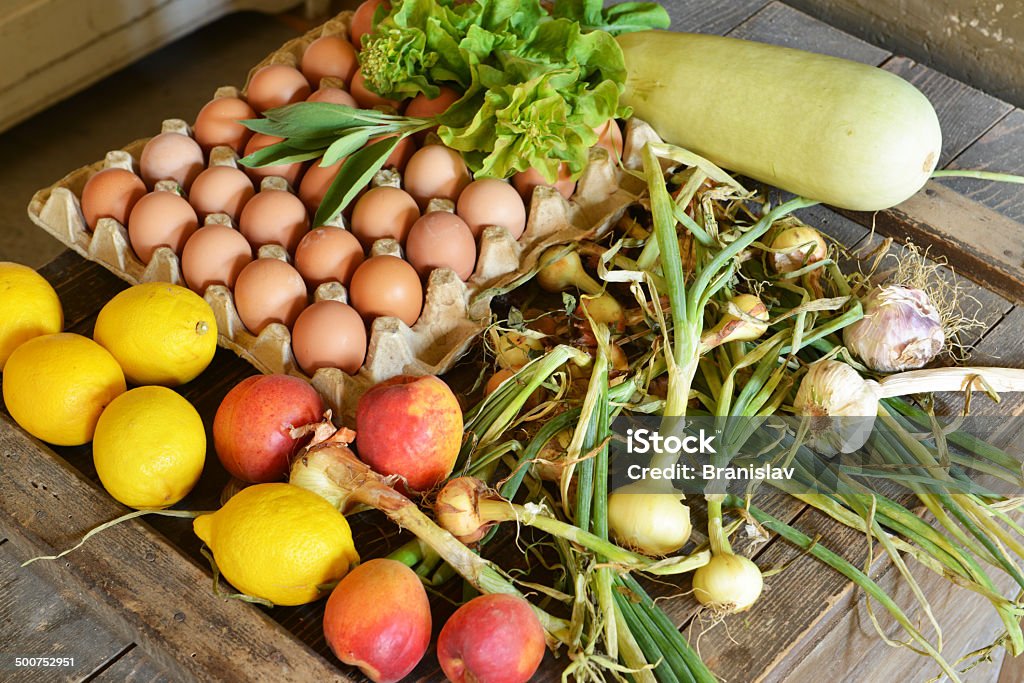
[{"x": 841, "y": 132}]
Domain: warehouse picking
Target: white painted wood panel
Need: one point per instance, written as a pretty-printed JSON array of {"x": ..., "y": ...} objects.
[{"x": 51, "y": 49}]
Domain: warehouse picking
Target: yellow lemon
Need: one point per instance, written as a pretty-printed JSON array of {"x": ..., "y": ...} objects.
[
  {"x": 28, "y": 308},
  {"x": 160, "y": 333},
  {"x": 56, "y": 386},
  {"x": 279, "y": 542},
  {"x": 149, "y": 448}
]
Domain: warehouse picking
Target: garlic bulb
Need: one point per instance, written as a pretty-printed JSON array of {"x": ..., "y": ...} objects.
[
  {"x": 649, "y": 518},
  {"x": 844, "y": 403},
  {"x": 795, "y": 248},
  {"x": 900, "y": 330}
]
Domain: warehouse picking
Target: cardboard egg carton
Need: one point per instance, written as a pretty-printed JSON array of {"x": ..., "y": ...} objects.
[{"x": 454, "y": 312}]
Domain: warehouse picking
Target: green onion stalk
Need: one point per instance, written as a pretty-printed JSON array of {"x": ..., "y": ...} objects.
[
  {"x": 816, "y": 549},
  {"x": 729, "y": 582}
]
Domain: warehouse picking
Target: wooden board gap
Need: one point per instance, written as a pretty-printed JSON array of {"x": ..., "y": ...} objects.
[
  {"x": 109, "y": 663},
  {"x": 979, "y": 136}
]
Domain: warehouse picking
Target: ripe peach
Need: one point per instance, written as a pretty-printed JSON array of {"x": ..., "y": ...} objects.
[
  {"x": 412, "y": 427},
  {"x": 378, "y": 618},
  {"x": 251, "y": 430},
  {"x": 491, "y": 639}
]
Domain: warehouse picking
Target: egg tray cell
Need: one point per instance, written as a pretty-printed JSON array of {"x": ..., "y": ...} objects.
[{"x": 454, "y": 312}]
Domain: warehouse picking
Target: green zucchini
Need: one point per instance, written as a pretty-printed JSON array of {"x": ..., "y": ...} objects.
[{"x": 844, "y": 133}]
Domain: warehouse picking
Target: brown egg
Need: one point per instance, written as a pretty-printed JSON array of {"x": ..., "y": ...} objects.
[
  {"x": 609, "y": 136},
  {"x": 221, "y": 189},
  {"x": 160, "y": 219},
  {"x": 435, "y": 172},
  {"x": 365, "y": 97},
  {"x": 333, "y": 96},
  {"x": 383, "y": 212},
  {"x": 328, "y": 254},
  {"x": 423, "y": 107},
  {"x": 329, "y": 334},
  {"x": 400, "y": 155},
  {"x": 525, "y": 181},
  {"x": 387, "y": 286},
  {"x": 489, "y": 201},
  {"x": 362, "y": 20},
  {"x": 269, "y": 291},
  {"x": 274, "y": 217},
  {"x": 111, "y": 193},
  {"x": 218, "y": 124},
  {"x": 214, "y": 255},
  {"x": 329, "y": 56},
  {"x": 171, "y": 156},
  {"x": 316, "y": 182},
  {"x": 276, "y": 85},
  {"x": 441, "y": 240},
  {"x": 290, "y": 172}
]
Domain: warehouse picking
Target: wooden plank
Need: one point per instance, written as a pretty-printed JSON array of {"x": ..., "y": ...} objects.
[
  {"x": 1012, "y": 670},
  {"x": 1003, "y": 345},
  {"x": 82, "y": 286},
  {"x": 999, "y": 149},
  {"x": 138, "y": 582},
  {"x": 132, "y": 667},
  {"x": 695, "y": 16},
  {"x": 89, "y": 41},
  {"x": 780, "y": 24},
  {"x": 37, "y": 620},
  {"x": 978, "y": 242},
  {"x": 843, "y": 645},
  {"x": 965, "y": 113}
]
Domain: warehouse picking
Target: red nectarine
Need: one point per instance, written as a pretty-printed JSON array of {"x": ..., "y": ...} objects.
[
  {"x": 411, "y": 427},
  {"x": 251, "y": 430},
  {"x": 378, "y": 618},
  {"x": 491, "y": 639}
]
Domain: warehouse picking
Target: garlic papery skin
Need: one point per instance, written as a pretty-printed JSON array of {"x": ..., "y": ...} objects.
[
  {"x": 728, "y": 583},
  {"x": 649, "y": 518},
  {"x": 900, "y": 330},
  {"x": 842, "y": 406},
  {"x": 796, "y": 248}
]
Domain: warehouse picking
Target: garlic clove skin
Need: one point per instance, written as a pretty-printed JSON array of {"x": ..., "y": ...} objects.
[
  {"x": 845, "y": 402},
  {"x": 901, "y": 330}
]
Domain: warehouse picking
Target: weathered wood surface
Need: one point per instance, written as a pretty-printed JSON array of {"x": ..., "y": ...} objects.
[
  {"x": 135, "y": 580},
  {"x": 810, "y": 622}
]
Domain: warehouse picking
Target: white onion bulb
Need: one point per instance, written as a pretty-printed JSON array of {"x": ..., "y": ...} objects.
[
  {"x": 729, "y": 582},
  {"x": 647, "y": 518}
]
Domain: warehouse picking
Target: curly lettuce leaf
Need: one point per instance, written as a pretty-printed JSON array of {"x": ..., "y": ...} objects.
[
  {"x": 624, "y": 17},
  {"x": 535, "y": 86},
  {"x": 540, "y": 123}
]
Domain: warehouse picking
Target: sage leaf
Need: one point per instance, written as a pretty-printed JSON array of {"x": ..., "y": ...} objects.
[
  {"x": 278, "y": 153},
  {"x": 355, "y": 173}
]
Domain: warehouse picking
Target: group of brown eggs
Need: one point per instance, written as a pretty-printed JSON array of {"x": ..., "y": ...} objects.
[{"x": 327, "y": 332}]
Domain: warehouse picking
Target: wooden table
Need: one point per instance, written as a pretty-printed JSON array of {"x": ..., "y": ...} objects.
[{"x": 136, "y": 602}]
